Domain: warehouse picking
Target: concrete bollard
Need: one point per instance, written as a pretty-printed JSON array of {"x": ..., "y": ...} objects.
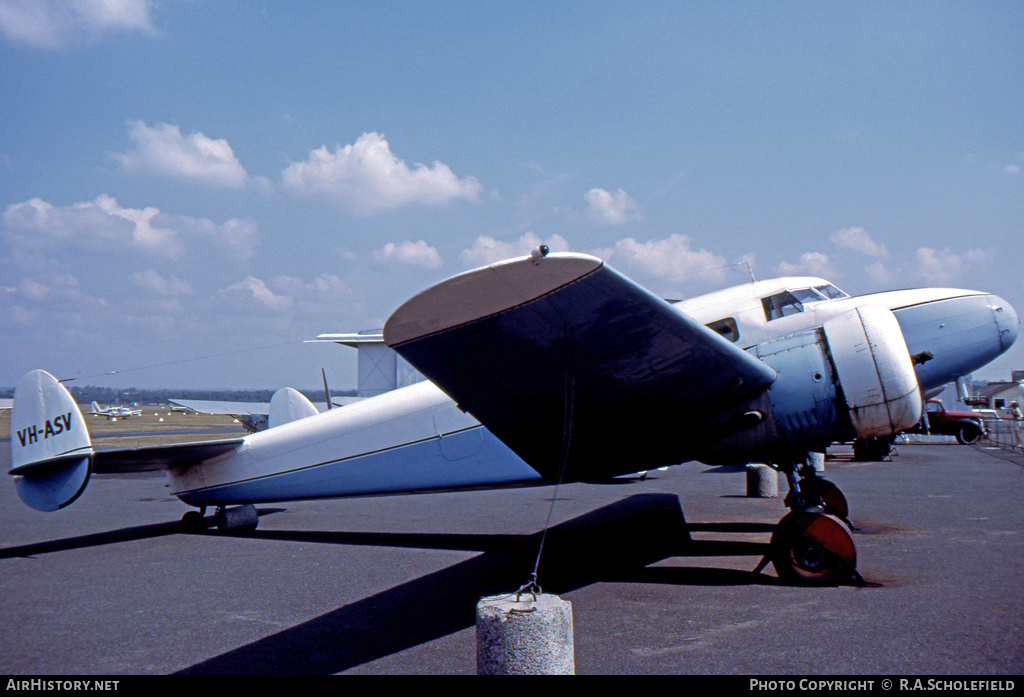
[
  {"x": 531, "y": 635},
  {"x": 762, "y": 481},
  {"x": 817, "y": 461}
]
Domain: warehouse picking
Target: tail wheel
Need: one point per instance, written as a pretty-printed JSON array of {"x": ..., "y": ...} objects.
[
  {"x": 813, "y": 548},
  {"x": 193, "y": 521}
]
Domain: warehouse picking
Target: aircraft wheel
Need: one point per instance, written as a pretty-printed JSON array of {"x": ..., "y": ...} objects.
[
  {"x": 831, "y": 496},
  {"x": 193, "y": 521},
  {"x": 813, "y": 548},
  {"x": 871, "y": 449}
]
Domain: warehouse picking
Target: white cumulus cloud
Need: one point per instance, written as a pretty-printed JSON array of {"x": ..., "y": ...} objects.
[
  {"x": 487, "y": 250},
  {"x": 409, "y": 253},
  {"x": 152, "y": 281},
  {"x": 671, "y": 257},
  {"x": 56, "y": 24},
  {"x": 254, "y": 293},
  {"x": 366, "y": 177},
  {"x": 163, "y": 150},
  {"x": 859, "y": 240},
  {"x": 942, "y": 266},
  {"x": 810, "y": 264},
  {"x": 104, "y": 227},
  {"x": 611, "y": 208}
]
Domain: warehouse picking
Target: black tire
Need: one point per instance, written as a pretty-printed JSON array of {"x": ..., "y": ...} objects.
[
  {"x": 193, "y": 521},
  {"x": 813, "y": 549},
  {"x": 871, "y": 449},
  {"x": 968, "y": 433}
]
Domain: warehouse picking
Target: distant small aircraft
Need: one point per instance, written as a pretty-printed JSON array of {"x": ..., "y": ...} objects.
[
  {"x": 114, "y": 412},
  {"x": 555, "y": 368}
]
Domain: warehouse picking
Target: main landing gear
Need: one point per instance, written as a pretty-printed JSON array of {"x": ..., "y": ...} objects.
[
  {"x": 813, "y": 544},
  {"x": 234, "y": 519}
]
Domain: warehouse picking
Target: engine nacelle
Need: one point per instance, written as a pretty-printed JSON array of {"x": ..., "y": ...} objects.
[
  {"x": 853, "y": 378},
  {"x": 875, "y": 373}
]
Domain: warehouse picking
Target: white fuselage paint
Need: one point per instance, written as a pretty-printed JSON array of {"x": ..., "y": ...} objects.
[
  {"x": 415, "y": 438},
  {"x": 376, "y": 445}
]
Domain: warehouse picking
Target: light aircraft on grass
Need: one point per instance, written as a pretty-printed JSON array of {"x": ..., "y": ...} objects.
[
  {"x": 114, "y": 412},
  {"x": 556, "y": 368}
]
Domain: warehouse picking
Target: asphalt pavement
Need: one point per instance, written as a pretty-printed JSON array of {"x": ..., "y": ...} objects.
[{"x": 659, "y": 572}]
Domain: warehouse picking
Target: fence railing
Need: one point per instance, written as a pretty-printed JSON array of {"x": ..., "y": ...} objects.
[{"x": 1005, "y": 433}]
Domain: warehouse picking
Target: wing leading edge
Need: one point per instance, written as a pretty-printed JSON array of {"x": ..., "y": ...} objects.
[{"x": 521, "y": 344}]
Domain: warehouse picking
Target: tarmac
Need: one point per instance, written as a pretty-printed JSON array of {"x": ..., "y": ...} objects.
[{"x": 659, "y": 572}]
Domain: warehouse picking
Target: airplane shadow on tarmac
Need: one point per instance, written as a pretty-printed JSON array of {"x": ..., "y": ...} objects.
[{"x": 613, "y": 543}]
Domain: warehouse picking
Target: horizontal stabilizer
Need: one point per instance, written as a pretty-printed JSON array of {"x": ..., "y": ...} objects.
[{"x": 154, "y": 458}]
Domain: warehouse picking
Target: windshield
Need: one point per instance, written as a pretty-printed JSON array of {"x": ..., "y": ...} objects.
[{"x": 807, "y": 295}]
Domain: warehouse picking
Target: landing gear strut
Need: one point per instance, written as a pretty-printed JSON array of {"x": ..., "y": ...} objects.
[{"x": 813, "y": 544}]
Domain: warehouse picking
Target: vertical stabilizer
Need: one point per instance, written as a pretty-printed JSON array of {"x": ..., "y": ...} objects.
[
  {"x": 287, "y": 405},
  {"x": 50, "y": 446}
]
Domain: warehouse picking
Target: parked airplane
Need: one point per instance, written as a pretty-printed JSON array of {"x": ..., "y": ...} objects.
[
  {"x": 114, "y": 412},
  {"x": 255, "y": 416},
  {"x": 555, "y": 368}
]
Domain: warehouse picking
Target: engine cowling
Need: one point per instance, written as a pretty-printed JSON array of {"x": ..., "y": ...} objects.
[
  {"x": 852, "y": 378},
  {"x": 875, "y": 374}
]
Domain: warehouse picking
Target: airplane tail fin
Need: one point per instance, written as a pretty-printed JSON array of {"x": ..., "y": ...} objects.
[
  {"x": 50, "y": 446},
  {"x": 95, "y": 408},
  {"x": 288, "y": 404}
]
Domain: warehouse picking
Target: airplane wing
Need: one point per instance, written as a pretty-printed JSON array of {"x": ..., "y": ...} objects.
[
  {"x": 211, "y": 406},
  {"x": 522, "y": 345}
]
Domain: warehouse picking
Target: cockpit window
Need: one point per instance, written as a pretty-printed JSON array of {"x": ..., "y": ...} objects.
[
  {"x": 780, "y": 305},
  {"x": 807, "y": 295},
  {"x": 830, "y": 291},
  {"x": 727, "y": 328}
]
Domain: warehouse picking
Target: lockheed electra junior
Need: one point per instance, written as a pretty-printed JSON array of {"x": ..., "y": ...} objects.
[{"x": 554, "y": 368}]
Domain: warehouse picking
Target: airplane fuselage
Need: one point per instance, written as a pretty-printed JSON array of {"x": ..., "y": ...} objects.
[
  {"x": 415, "y": 438},
  {"x": 961, "y": 329}
]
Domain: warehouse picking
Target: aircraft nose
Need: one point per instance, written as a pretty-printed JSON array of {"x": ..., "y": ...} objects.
[{"x": 1007, "y": 320}]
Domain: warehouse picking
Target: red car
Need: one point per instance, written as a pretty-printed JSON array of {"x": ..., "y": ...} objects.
[{"x": 967, "y": 426}]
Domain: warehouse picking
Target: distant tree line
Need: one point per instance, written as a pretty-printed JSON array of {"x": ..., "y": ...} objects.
[{"x": 131, "y": 395}]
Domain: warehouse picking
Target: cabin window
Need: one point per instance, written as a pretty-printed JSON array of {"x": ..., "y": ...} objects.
[
  {"x": 781, "y": 304},
  {"x": 831, "y": 292},
  {"x": 727, "y": 328}
]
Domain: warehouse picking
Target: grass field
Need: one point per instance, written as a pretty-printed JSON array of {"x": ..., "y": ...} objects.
[{"x": 154, "y": 426}]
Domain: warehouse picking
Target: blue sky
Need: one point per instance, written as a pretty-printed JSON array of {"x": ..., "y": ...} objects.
[{"x": 191, "y": 188}]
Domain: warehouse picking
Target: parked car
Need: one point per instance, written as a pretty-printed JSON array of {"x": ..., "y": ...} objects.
[{"x": 967, "y": 426}]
